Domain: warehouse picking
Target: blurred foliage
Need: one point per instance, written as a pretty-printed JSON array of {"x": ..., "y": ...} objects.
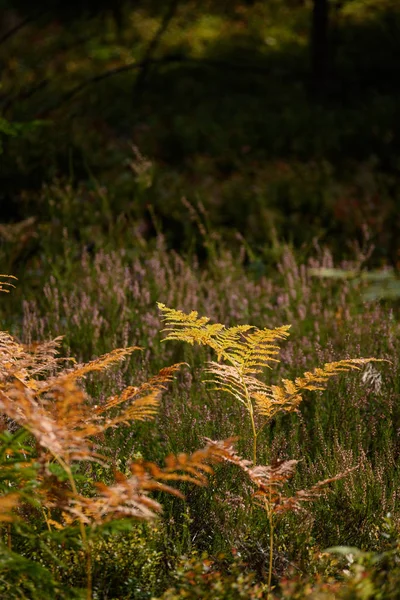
[
  {"x": 375, "y": 285},
  {"x": 204, "y": 578},
  {"x": 218, "y": 97}
]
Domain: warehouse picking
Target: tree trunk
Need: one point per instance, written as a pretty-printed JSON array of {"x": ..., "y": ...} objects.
[{"x": 319, "y": 44}]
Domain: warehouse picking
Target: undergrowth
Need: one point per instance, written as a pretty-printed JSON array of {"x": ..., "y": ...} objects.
[{"x": 75, "y": 476}]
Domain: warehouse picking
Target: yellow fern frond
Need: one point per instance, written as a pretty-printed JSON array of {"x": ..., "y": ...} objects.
[
  {"x": 188, "y": 328},
  {"x": 243, "y": 387},
  {"x": 269, "y": 405},
  {"x": 243, "y": 352},
  {"x": 287, "y": 396},
  {"x": 259, "y": 348},
  {"x": 177, "y": 318},
  {"x": 4, "y": 285},
  {"x": 246, "y": 347}
]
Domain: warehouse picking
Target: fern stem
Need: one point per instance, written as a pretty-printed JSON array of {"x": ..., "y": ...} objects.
[
  {"x": 253, "y": 424},
  {"x": 46, "y": 519},
  {"x": 85, "y": 541},
  {"x": 254, "y": 440},
  {"x": 271, "y": 544},
  {"x": 9, "y": 539},
  {"x": 250, "y": 410},
  {"x": 271, "y": 554}
]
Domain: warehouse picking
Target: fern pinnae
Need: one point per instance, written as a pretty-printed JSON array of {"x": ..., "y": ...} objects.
[
  {"x": 288, "y": 395},
  {"x": 243, "y": 352},
  {"x": 142, "y": 409},
  {"x": 4, "y": 285}
]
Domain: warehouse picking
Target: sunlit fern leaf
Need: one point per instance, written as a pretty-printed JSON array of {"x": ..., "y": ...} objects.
[
  {"x": 229, "y": 341},
  {"x": 288, "y": 395},
  {"x": 197, "y": 330},
  {"x": 228, "y": 379},
  {"x": 156, "y": 383},
  {"x": 189, "y": 328},
  {"x": 270, "y": 404},
  {"x": 193, "y": 335},
  {"x": 4, "y": 285},
  {"x": 177, "y": 318},
  {"x": 258, "y": 348},
  {"x": 245, "y": 346}
]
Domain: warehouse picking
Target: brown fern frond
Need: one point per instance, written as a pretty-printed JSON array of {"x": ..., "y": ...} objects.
[
  {"x": 21, "y": 362},
  {"x": 44, "y": 356},
  {"x": 99, "y": 364},
  {"x": 57, "y": 411},
  {"x": 8, "y": 503},
  {"x": 225, "y": 451},
  {"x": 156, "y": 383},
  {"x": 125, "y": 499},
  {"x": 140, "y": 410},
  {"x": 129, "y": 496},
  {"x": 294, "y": 503},
  {"x": 270, "y": 480},
  {"x": 61, "y": 423}
]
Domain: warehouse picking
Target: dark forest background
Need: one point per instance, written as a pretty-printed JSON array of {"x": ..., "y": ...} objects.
[{"x": 281, "y": 118}]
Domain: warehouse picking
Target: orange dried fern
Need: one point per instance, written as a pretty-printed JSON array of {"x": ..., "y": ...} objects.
[
  {"x": 129, "y": 496},
  {"x": 40, "y": 396},
  {"x": 269, "y": 482}
]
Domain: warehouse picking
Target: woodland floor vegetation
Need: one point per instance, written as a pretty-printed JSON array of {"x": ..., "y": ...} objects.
[
  {"x": 214, "y": 541},
  {"x": 171, "y": 174}
]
